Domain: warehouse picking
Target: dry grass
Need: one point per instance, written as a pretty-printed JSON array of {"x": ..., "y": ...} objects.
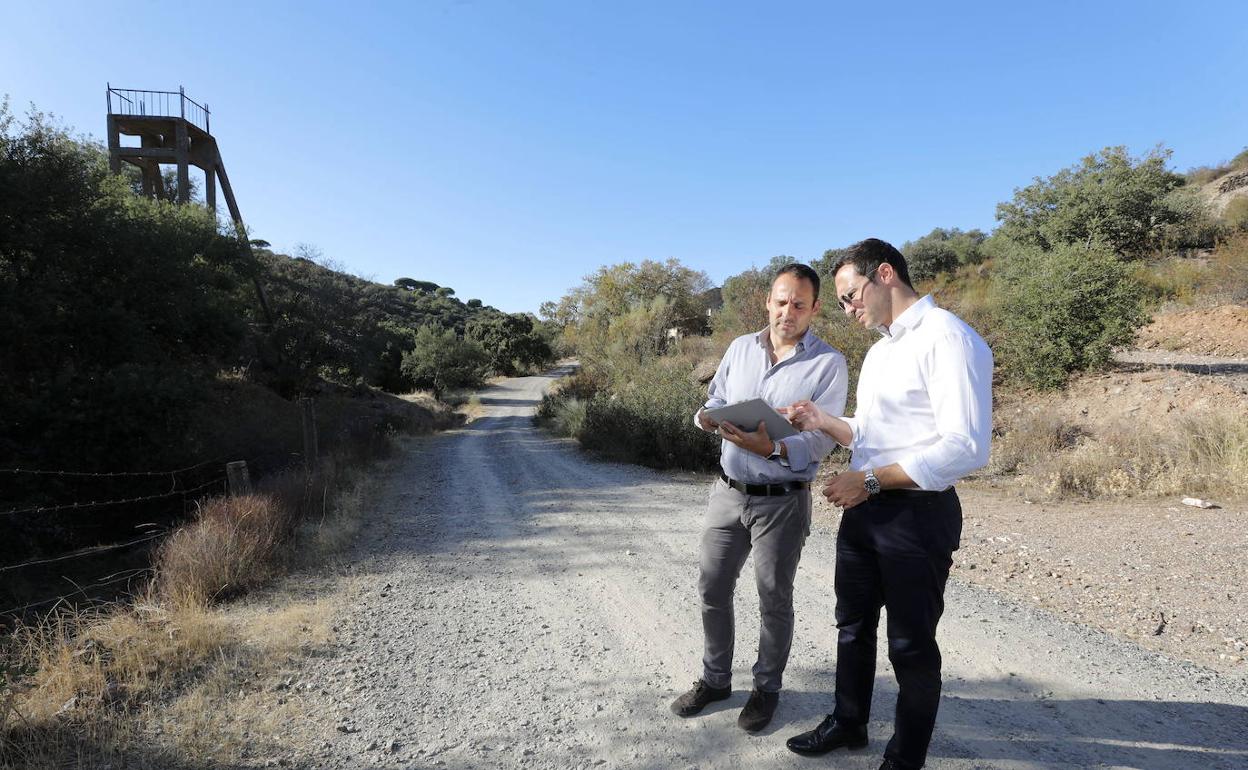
[
  {"x": 1184, "y": 281},
  {"x": 173, "y": 676},
  {"x": 151, "y": 687},
  {"x": 1230, "y": 261},
  {"x": 1203, "y": 455},
  {"x": 229, "y": 548}
]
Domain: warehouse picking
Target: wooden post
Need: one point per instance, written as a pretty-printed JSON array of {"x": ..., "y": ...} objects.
[
  {"x": 310, "y": 452},
  {"x": 238, "y": 477}
]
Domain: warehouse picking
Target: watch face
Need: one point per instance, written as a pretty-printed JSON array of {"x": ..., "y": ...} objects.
[{"x": 872, "y": 484}]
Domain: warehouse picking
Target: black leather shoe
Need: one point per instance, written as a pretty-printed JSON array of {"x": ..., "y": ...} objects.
[
  {"x": 827, "y": 736},
  {"x": 758, "y": 710},
  {"x": 891, "y": 764},
  {"x": 696, "y": 699}
]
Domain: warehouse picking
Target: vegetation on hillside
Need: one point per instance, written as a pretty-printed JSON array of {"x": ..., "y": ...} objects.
[
  {"x": 1069, "y": 275},
  {"x": 120, "y": 312},
  {"x": 135, "y": 343}
]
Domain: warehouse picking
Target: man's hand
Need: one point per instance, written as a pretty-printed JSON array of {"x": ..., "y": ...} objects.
[
  {"x": 805, "y": 415},
  {"x": 756, "y": 441},
  {"x": 706, "y": 422},
  {"x": 846, "y": 489}
]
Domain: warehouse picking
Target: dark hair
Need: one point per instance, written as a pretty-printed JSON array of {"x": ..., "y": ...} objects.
[
  {"x": 867, "y": 255},
  {"x": 798, "y": 270}
]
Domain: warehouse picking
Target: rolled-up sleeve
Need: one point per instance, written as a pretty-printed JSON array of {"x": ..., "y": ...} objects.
[
  {"x": 830, "y": 393},
  {"x": 959, "y": 376}
]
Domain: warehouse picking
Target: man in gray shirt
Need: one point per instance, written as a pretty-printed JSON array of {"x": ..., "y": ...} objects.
[{"x": 761, "y": 500}]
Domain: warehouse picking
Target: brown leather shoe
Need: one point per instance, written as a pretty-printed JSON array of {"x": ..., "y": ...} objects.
[
  {"x": 758, "y": 710},
  {"x": 697, "y": 699}
]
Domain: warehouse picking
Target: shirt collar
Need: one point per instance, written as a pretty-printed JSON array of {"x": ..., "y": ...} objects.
[
  {"x": 763, "y": 338},
  {"x": 911, "y": 317}
]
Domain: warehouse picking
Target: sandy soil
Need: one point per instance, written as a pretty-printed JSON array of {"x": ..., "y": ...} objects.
[
  {"x": 516, "y": 604},
  {"x": 1217, "y": 331}
]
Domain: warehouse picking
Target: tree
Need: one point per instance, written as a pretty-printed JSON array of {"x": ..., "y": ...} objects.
[
  {"x": 1064, "y": 310},
  {"x": 1108, "y": 198},
  {"x": 411, "y": 284},
  {"x": 588, "y": 311},
  {"x": 510, "y": 340},
  {"x": 440, "y": 360},
  {"x": 942, "y": 251},
  {"x": 114, "y": 309}
]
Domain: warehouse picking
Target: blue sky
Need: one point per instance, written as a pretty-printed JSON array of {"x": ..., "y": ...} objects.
[{"x": 508, "y": 149}]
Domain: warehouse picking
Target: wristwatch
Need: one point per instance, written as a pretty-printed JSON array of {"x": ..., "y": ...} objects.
[
  {"x": 775, "y": 451},
  {"x": 871, "y": 483}
]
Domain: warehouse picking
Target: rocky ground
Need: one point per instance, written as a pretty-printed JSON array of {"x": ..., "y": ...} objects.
[
  {"x": 1163, "y": 575},
  {"x": 513, "y": 603}
]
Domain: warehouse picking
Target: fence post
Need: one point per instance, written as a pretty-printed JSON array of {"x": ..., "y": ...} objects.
[
  {"x": 238, "y": 477},
  {"x": 310, "y": 451}
]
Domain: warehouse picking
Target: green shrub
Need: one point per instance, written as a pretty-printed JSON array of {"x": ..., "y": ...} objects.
[
  {"x": 1108, "y": 198},
  {"x": 1063, "y": 311},
  {"x": 441, "y": 360},
  {"x": 942, "y": 251},
  {"x": 650, "y": 421}
]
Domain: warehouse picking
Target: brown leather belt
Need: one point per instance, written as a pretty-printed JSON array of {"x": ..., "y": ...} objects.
[{"x": 765, "y": 490}]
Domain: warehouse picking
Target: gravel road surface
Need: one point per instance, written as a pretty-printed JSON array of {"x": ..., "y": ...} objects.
[{"x": 518, "y": 604}]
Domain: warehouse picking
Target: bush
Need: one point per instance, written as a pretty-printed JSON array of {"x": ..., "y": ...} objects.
[
  {"x": 1063, "y": 311},
  {"x": 650, "y": 421},
  {"x": 1108, "y": 198},
  {"x": 229, "y": 548},
  {"x": 942, "y": 251},
  {"x": 441, "y": 360}
]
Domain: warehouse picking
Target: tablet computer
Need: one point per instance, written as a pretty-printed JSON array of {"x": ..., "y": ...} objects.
[{"x": 746, "y": 415}]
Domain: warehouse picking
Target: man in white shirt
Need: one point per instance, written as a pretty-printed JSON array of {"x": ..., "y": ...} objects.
[
  {"x": 923, "y": 420},
  {"x": 761, "y": 500}
]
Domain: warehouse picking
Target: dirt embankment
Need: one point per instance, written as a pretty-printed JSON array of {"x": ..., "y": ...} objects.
[{"x": 1217, "y": 331}]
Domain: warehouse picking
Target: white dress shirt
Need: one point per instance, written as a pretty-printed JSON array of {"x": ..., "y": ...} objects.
[{"x": 925, "y": 399}]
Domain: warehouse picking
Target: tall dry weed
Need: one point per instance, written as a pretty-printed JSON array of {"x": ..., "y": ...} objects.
[
  {"x": 1202, "y": 455},
  {"x": 230, "y": 547}
]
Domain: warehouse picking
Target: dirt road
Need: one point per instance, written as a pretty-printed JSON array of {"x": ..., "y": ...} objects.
[{"x": 520, "y": 605}]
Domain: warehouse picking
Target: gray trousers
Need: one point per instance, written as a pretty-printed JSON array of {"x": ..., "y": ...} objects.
[{"x": 775, "y": 528}]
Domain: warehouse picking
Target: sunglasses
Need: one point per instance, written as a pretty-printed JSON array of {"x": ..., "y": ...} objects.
[{"x": 854, "y": 294}]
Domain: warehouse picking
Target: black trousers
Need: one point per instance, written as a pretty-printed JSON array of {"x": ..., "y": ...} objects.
[{"x": 894, "y": 550}]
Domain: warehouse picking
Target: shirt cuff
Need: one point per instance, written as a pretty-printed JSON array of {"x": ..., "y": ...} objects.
[
  {"x": 918, "y": 472},
  {"x": 798, "y": 454}
]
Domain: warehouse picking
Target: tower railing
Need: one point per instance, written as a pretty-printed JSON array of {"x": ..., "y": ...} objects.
[{"x": 166, "y": 104}]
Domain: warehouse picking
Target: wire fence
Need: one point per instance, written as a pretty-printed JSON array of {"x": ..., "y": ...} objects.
[
  {"x": 185, "y": 483},
  {"x": 185, "y": 493},
  {"x": 219, "y": 481}
]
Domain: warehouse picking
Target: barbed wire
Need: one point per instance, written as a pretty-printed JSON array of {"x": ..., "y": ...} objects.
[
  {"x": 95, "y": 504},
  {"x": 175, "y": 471},
  {"x": 80, "y": 553},
  {"x": 130, "y": 575}
]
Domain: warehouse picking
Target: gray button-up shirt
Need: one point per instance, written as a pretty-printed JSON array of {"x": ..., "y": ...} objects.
[{"x": 813, "y": 370}]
